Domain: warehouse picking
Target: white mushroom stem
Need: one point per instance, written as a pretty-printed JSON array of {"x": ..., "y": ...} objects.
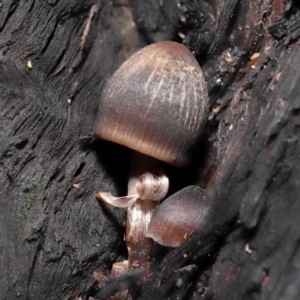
[
  {"x": 120, "y": 202},
  {"x": 147, "y": 185}
]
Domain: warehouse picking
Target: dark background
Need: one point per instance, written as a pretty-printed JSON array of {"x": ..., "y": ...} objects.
[{"x": 54, "y": 234}]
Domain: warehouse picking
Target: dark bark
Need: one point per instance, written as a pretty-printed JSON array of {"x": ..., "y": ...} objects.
[{"x": 55, "y": 234}]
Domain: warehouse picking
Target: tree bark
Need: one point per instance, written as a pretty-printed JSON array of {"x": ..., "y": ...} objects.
[{"x": 56, "y": 56}]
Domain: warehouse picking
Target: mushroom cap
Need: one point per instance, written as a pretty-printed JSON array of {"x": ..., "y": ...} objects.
[
  {"x": 156, "y": 103},
  {"x": 176, "y": 218}
]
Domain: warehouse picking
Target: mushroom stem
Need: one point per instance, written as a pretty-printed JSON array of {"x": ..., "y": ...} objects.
[
  {"x": 139, "y": 215},
  {"x": 146, "y": 186}
]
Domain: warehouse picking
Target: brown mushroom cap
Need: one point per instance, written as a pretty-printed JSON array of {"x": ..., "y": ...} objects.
[
  {"x": 178, "y": 216},
  {"x": 156, "y": 103}
]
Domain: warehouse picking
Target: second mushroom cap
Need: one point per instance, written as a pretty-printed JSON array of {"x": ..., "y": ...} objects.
[{"x": 177, "y": 217}]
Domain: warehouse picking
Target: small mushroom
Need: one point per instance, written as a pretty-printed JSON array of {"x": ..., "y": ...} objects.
[
  {"x": 176, "y": 218},
  {"x": 156, "y": 103}
]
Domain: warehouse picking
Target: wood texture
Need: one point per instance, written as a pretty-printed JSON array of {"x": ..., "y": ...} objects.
[{"x": 54, "y": 234}]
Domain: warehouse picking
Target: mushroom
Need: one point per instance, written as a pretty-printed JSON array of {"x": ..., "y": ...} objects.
[
  {"x": 176, "y": 218},
  {"x": 156, "y": 103}
]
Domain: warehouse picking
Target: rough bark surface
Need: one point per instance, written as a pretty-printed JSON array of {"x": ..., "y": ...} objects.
[{"x": 55, "y": 57}]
